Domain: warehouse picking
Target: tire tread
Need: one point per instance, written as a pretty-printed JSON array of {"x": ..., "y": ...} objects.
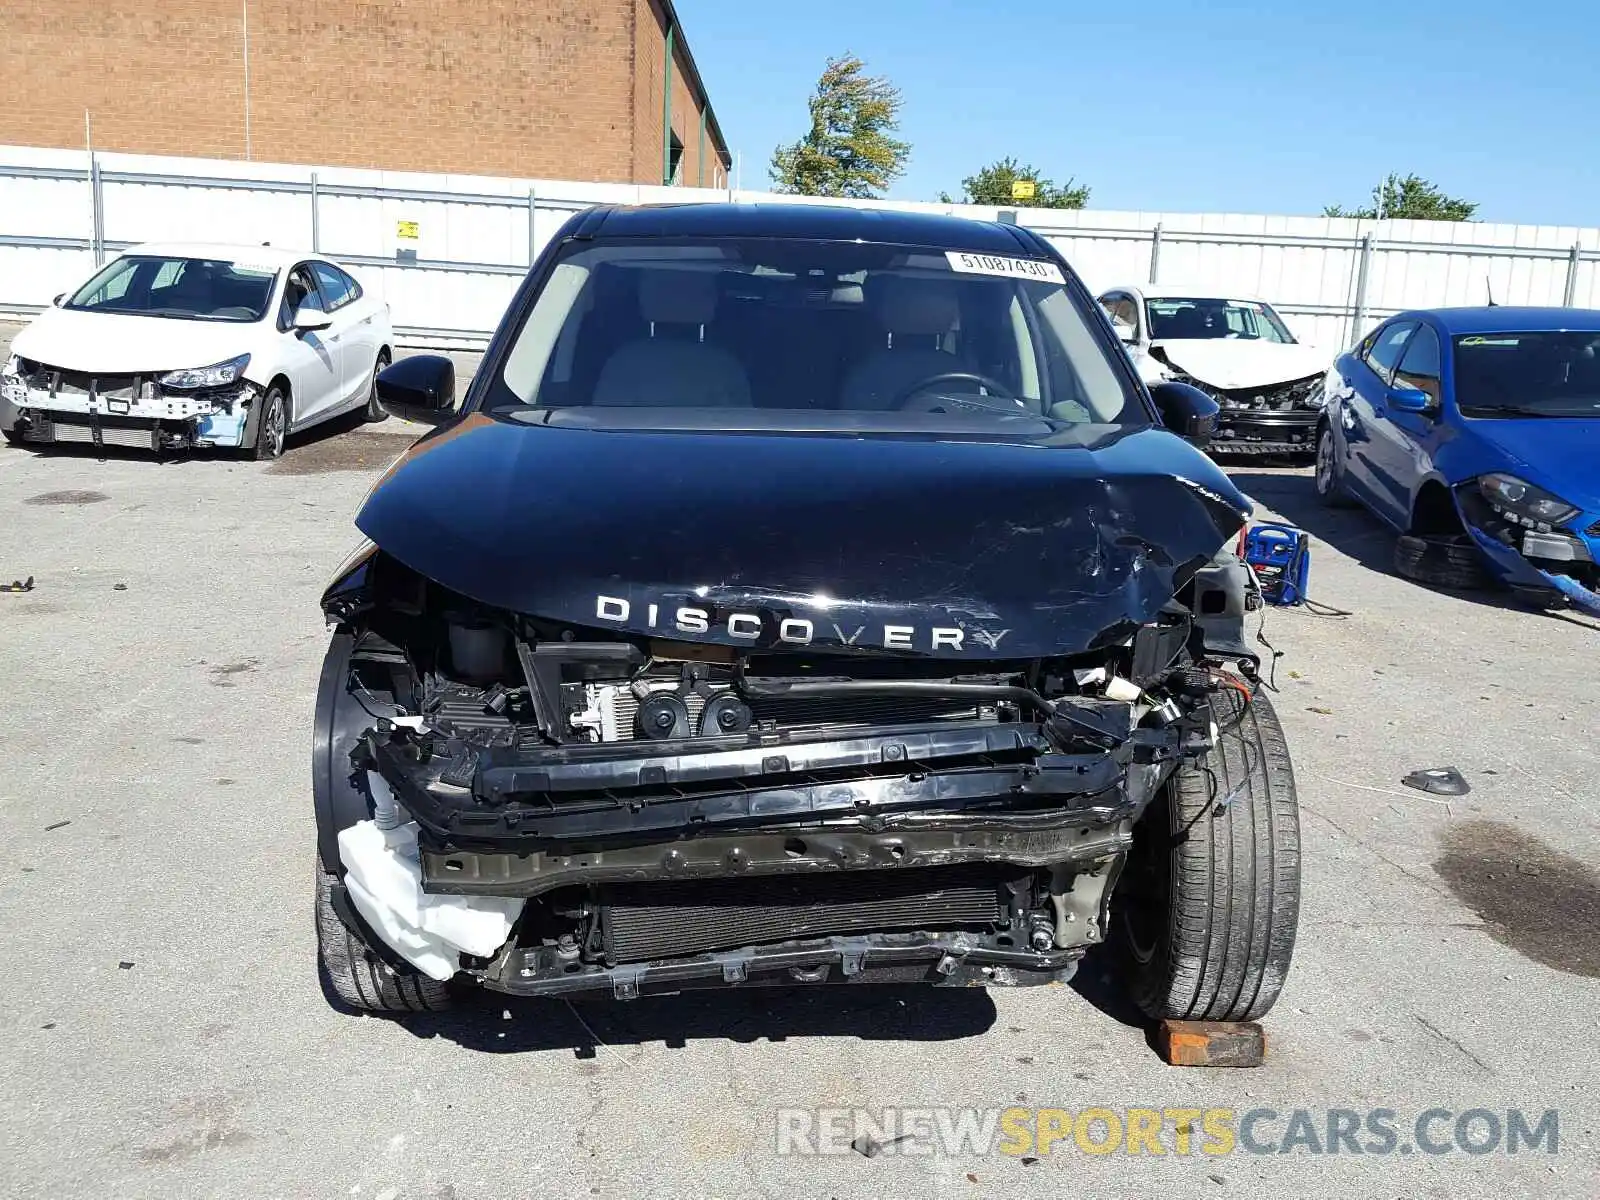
[{"x": 1235, "y": 880}]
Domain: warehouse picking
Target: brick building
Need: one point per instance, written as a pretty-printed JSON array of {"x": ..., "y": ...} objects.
[{"x": 602, "y": 90}]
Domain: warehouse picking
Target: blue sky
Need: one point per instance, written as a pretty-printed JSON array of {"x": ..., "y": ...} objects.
[{"x": 1194, "y": 105}]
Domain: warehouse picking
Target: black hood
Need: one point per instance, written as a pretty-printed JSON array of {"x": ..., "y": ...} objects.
[{"x": 951, "y": 548}]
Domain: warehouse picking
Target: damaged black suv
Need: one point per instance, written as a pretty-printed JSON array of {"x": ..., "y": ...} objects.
[{"x": 799, "y": 595}]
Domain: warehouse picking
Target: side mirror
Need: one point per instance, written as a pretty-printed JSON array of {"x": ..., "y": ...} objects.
[
  {"x": 1186, "y": 411},
  {"x": 60, "y": 298},
  {"x": 1410, "y": 400},
  {"x": 1127, "y": 334},
  {"x": 309, "y": 319},
  {"x": 420, "y": 388}
]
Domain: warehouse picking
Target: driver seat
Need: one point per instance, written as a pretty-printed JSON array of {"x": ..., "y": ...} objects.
[{"x": 916, "y": 314}]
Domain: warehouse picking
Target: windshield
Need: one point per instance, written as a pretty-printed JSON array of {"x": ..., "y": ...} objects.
[
  {"x": 1190, "y": 317},
  {"x": 192, "y": 289},
  {"x": 1528, "y": 374},
  {"x": 794, "y": 334}
]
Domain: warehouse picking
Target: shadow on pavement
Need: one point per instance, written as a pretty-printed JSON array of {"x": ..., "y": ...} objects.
[
  {"x": 1354, "y": 532},
  {"x": 497, "y": 1024},
  {"x": 587, "y": 1026}
]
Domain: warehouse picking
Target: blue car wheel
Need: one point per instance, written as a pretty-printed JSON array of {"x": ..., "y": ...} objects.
[{"x": 1329, "y": 478}]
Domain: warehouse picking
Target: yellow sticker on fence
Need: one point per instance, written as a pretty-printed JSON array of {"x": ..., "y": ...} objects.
[
  {"x": 1023, "y": 189},
  {"x": 408, "y": 230}
]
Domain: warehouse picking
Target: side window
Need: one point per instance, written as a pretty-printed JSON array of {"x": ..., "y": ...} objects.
[
  {"x": 1382, "y": 350},
  {"x": 297, "y": 290},
  {"x": 334, "y": 283},
  {"x": 1420, "y": 367},
  {"x": 351, "y": 284},
  {"x": 1121, "y": 309}
]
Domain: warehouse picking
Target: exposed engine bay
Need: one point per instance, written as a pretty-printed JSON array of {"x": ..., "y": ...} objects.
[
  {"x": 551, "y": 807},
  {"x": 1273, "y": 418}
]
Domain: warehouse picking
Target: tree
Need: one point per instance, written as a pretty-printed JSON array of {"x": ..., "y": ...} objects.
[
  {"x": 992, "y": 185},
  {"x": 850, "y": 150},
  {"x": 1410, "y": 199}
]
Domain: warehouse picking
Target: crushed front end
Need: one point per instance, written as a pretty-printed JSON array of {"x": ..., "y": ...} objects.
[
  {"x": 637, "y": 814},
  {"x": 1276, "y": 418},
  {"x": 43, "y": 404},
  {"x": 1533, "y": 541}
]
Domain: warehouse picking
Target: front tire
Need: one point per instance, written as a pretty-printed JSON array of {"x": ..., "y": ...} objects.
[
  {"x": 1452, "y": 562},
  {"x": 1209, "y": 903},
  {"x": 272, "y": 430},
  {"x": 359, "y": 977},
  {"x": 1329, "y": 477},
  {"x": 375, "y": 411}
]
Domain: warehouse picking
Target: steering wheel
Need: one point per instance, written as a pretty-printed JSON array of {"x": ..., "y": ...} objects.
[{"x": 907, "y": 401}]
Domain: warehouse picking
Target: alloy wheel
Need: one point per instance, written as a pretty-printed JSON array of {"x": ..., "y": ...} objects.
[
  {"x": 1325, "y": 462},
  {"x": 277, "y": 426}
]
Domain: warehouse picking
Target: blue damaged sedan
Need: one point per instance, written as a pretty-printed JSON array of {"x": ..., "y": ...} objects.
[{"x": 1475, "y": 432}]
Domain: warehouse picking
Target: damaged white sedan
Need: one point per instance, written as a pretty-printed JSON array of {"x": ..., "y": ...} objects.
[
  {"x": 169, "y": 347},
  {"x": 1238, "y": 350}
]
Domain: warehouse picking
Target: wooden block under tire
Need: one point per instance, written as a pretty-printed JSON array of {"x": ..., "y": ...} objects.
[{"x": 1211, "y": 1043}]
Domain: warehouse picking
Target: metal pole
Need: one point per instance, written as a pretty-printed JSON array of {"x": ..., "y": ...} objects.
[
  {"x": 316, "y": 224},
  {"x": 533, "y": 212},
  {"x": 1360, "y": 313},
  {"x": 1573, "y": 260},
  {"x": 666, "y": 109},
  {"x": 98, "y": 212},
  {"x": 94, "y": 188},
  {"x": 1155, "y": 253}
]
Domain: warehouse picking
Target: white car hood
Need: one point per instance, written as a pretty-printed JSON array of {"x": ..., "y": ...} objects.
[
  {"x": 1234, "y": 363},
  {"x": 108, "y": 344}
]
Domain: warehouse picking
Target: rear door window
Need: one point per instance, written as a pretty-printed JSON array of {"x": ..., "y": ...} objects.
[{"x": 335, "y": 285}]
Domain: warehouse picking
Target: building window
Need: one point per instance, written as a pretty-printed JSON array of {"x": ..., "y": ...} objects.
[{"x": 674, "y": 160}]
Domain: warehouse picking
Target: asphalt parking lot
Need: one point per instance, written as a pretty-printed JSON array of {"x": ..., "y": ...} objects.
[{"x": 167, "y": 1035}]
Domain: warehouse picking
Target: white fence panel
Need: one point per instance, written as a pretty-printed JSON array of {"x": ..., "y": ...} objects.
[{"x": 1333, "y": 278}]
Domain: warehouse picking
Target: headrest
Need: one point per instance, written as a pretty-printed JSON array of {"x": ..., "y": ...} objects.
[
  {"x": 905, "y": 304},
  {"x": 678, "y": 297}
]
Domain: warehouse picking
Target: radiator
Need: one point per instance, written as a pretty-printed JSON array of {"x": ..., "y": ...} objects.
[
  {"x": 646, "y": 921},
  {"x": 137, "y": 437}
]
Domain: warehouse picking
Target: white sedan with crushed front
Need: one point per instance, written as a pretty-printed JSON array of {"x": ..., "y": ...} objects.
[
  {"x": 173, "y": 346},
  {"x": 1235, "y": 348}
]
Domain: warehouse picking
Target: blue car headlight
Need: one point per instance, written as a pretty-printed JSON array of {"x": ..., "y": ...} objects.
[
  {"x": 1523, "y": 503},
  {"x": 218, "y": 375}
]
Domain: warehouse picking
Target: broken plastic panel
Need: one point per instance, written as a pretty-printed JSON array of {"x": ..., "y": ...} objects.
[{"x": 384, "y": 879}]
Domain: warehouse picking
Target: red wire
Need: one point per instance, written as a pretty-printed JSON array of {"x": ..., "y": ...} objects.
[{"x": 1236, "y": 684}]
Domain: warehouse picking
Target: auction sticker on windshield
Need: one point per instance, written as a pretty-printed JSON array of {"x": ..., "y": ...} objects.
[{"x": 1010, "y": 268}]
